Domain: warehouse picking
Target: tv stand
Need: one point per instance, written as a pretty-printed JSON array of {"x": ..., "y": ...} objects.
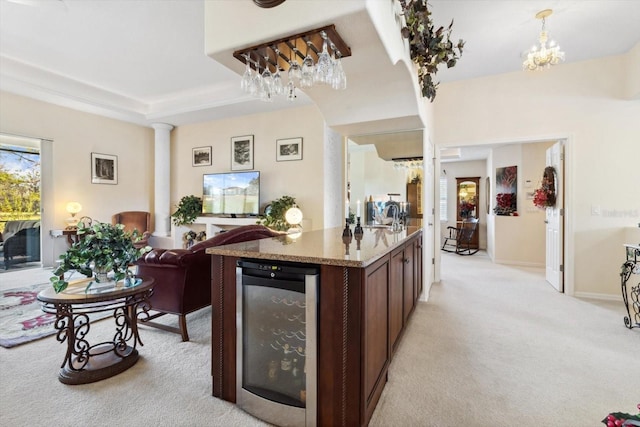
[{"x": 212, "y": 223}]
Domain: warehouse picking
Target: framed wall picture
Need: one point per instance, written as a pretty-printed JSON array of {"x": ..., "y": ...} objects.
[
  {"x": 201, "y": 156},
  {"x": 242, "y": 153},
  {"x": 288, "y": 149},
  {"x": 104, "y": 169},
  {"x": 506, "y": 190}
]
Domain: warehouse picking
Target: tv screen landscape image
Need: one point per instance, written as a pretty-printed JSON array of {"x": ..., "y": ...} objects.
[{"x": 231, "y": 193}]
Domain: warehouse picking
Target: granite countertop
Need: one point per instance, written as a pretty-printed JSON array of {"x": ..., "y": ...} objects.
[{"x": 321, "y": 247}]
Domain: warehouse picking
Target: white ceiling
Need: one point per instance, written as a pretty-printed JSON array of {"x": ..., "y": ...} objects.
[{"x": 143, "y": 61}]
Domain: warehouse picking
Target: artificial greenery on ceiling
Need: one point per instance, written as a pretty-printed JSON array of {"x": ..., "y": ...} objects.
[{"x": 428, "y": 47}]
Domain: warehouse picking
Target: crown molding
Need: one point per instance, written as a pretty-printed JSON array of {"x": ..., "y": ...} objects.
[{"x": 195, "y": 105}]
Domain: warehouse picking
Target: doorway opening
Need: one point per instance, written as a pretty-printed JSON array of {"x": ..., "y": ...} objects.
[{"x": 499, "y": 233}]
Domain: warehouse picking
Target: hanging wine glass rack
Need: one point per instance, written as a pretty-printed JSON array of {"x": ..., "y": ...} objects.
[{"x": 277, "y": 53}]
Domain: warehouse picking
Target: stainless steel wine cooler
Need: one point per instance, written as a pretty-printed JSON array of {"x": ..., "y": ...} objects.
[{"x": 277, "y": 341}]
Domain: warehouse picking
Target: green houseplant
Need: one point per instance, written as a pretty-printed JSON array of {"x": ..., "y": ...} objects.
[
  {"x": 189, "y": 208},
  {"x": 275, "y": 212},
  {"x": 428, "y": 47},
  {"x": 101, "y": 248}
]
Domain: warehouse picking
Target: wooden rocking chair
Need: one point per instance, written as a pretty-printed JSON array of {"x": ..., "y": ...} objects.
[{"x": 459, "y": 239}]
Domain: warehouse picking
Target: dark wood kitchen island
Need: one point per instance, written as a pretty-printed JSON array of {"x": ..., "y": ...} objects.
[{"x": 368, "y": 287}]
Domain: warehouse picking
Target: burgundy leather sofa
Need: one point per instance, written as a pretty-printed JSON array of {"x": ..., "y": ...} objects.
[{"x": 183, "y": 276}]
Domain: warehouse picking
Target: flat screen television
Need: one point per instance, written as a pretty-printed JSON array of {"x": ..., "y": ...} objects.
[{"x": 231, "y": 193}]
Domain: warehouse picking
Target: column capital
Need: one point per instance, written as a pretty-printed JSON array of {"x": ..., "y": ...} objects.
[{"x": 162, "y": 126}]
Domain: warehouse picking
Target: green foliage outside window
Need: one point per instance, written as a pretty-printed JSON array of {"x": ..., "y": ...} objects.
[{"x": 19, "y": 186}]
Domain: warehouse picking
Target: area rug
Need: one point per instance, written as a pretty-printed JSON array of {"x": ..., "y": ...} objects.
[{"x": 21, "y": 317}]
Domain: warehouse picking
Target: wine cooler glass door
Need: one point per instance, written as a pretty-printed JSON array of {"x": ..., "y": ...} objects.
[{"x": 276, "y": 351}]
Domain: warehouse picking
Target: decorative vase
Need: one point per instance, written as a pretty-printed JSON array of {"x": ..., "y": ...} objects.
[{"x": 100, "y": 274}]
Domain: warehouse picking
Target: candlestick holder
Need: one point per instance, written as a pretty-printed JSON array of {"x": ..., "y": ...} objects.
[
  {"x": 347, "y": 231},
  {"x": 358, "y": 229},
  {"x": 347, "y": 242},
  {"x": 358, "y": 237}
]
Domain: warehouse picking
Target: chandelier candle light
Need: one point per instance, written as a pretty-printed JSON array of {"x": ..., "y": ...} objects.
[{"x": 548, "y": 53}]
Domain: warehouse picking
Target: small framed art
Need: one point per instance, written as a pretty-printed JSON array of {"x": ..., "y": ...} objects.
[
  {"x": 288, "y": 149},
  {"x": 104, "y": 168},
  {"x": 242, "y": 153},
  {"x": 201, "y": 156}
]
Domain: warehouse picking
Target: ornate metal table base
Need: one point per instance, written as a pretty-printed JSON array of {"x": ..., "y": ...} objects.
[
  {"x": 102, "y": 365},
  {"x": 85, "y": 363},
  {"x": 631, "y": 265}
]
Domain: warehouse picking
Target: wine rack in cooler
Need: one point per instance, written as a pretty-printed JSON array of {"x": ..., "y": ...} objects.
[{"x": 277, "y": 341}]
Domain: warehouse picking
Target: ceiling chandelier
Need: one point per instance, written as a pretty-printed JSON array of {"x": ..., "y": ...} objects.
[
  {"x": 545, "y": 55},
  {"x": 279, "y": 67}
]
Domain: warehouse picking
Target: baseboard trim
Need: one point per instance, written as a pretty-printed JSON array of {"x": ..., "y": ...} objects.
[
  {"x": 597, "y": 296},
  {"x": 425, "y": 293}
]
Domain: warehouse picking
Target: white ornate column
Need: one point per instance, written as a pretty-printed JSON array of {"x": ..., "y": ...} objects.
[{"x": 162, "y": 181}]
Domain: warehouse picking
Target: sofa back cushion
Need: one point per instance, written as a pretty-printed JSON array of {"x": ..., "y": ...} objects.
[{"x": 236, "y": 235}]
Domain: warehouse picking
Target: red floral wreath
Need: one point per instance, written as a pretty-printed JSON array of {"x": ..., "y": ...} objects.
[{"x": 545, "y": 196}]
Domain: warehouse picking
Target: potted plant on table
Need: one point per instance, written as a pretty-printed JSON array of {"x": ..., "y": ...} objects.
[
  {"x": 100, "y": 249},
  {"x": 189, "y": 208},
  {"x": 274, "y": 215}
]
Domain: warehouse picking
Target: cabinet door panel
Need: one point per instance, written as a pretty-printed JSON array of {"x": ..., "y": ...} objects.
[
  {"x": 396, "y": 296},
  {"x": 376, "y": 344},
  {"x": 417, "y": 251},
  {"x": 408, "y": 281}
]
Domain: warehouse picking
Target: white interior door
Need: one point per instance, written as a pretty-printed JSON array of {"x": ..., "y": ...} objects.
[
  {"x": 428, "y": 213},
  {"x": 554, "y": 221}
]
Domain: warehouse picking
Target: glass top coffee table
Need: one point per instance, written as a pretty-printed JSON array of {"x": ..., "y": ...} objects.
[{"x": 85, "y": 363}]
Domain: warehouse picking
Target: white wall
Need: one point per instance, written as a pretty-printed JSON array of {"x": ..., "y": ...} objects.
[
  {"x": 333, "y": 175},
  {"x": 75, "y": 136},
  {"x": 304, "y": 180},
  {"x": 519, "y": 240},
  {"x": 580, "y": 101},
  {"x": 371, "y": 176}
]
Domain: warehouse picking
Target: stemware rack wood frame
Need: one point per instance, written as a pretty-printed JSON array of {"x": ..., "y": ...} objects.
[{"x": 265, "y": 54}]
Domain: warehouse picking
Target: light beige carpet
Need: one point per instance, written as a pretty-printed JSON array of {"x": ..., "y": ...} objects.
[
  {"x": 497, "y": 346},
  {"x": 494, "y": 346}
]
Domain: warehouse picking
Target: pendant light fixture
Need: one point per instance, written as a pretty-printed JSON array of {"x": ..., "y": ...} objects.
[{"x": 548, "y": 53}]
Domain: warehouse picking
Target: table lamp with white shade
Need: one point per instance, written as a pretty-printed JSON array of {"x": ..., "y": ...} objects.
[
  {"x": 73, "y": 208},
  {"x": 294, "y": 217}
]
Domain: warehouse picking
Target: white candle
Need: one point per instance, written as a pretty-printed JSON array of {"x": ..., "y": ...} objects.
[
  {"x": 346, "y": 208},
  {"x": 358, "y": 211}
]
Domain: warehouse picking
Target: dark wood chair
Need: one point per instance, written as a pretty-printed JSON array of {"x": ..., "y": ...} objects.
[{"x": 459, "y": 238}]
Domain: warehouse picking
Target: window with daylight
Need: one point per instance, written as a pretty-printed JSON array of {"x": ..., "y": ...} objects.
[
  {"x": 19, "y": 183},
  {"x": 443, "y": 199}
]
